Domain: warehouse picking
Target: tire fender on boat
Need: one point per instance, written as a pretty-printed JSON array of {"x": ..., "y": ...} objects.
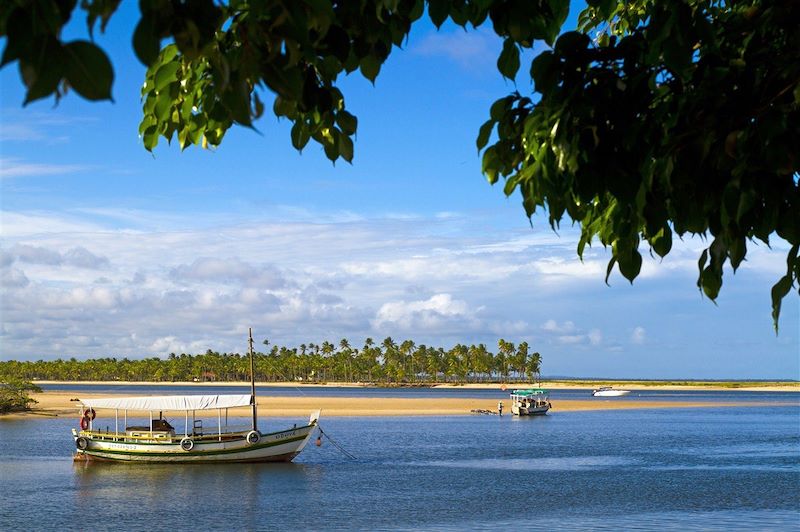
[
  {"x": 253, "y": 437},
  {"x": 187, "y": 444},
  {"x": 82, "y": 443}
]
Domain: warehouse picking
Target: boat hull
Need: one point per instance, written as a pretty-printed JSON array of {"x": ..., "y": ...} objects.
[
  {"x": 610, "y": 393},
  {"x": 532, "y": 411},
  {"x": 274, "y": 447}
]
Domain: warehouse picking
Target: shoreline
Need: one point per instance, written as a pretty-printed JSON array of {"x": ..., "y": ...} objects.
[
  {"x": 578, "y": 384},
  {"x": 60, "y": 404}
]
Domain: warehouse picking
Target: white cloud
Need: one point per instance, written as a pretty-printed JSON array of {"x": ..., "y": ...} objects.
[
  {"x": 171, "y": 344},
  {"x": 13, "y": 278},
  {"x": 79, "y": 256},
  {"x": 36, "y": 255},
  {"x": 181, "y": 285},
  {"x": 471, "y": 50},
  {"x": 12, "y": 167},
  {"x": 568, "y": 333},
  {"x": 83, "y": 258},
  {"x": 638, "y": 336},
  {"x": 439, "y": 311},
  {"x": 229, "y": 270},
  {"x": 554, "y": 326}
]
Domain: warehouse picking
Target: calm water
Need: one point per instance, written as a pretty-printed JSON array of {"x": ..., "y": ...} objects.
[{"x": 711, "y": 468}]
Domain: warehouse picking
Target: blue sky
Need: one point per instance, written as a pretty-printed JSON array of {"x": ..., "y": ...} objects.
[{"x": 109, "y": 250}]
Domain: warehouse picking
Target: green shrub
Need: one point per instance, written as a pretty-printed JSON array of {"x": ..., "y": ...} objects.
[{"x": 14, "y": 395}]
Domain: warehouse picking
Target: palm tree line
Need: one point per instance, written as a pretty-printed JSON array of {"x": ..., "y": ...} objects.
[{"x": 387, "y": 362}]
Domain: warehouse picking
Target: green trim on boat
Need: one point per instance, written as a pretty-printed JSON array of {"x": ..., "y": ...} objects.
[
  {"x": 531, "y": 391},
  {"x": 195, "y": 453},
  {"x": 208, "y": 439}
]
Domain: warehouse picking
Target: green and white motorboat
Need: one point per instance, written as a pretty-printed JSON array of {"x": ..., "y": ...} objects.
[{"x": 159, "y": 441}]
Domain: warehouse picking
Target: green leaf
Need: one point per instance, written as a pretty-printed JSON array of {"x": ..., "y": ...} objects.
[
  {"x": 630, "y": 264},
  {"x": 438, "y": 11},
  {"x": 165, "y": 75},
  {"x": 544, "y": 71},
  {"x": 300, "y": 136},
  {"x": 19, "y": 39},
  {"x": 484, "y": 133},
  {"x": 571, "y": 42},
  {"x": 779, "y": 291},
  {"x": 347, "y": 122},
  {"x": 499, "y": 107},
  {"x": 346, "y": 148},
  {"x": 102, "y": 9},
  {"x": 370, "y": 67},
  {"x": 610, "y": 267},
  {"x": 89, "y": 71},
  {"x": 662, "y": 242},
  {"x": 42, "y": 77},
  {"x": 508, "y": 62},
  {"x": 146, "y": 42},
  {"x": 711, "y": 281},
  {"x": 163, "y": 107}
]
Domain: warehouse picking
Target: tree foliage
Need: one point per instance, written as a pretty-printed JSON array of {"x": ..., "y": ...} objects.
[
  {"x": 14, "y": 394},
  {"x": 652, "y": 120},
  {"x": 387, "y": 363}
]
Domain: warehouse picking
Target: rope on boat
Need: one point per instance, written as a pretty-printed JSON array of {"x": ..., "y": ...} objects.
[{"x": 342, "y": 449}]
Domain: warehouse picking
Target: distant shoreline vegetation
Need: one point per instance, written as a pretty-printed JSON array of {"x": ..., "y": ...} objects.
[{"x": 389, "y": 362}]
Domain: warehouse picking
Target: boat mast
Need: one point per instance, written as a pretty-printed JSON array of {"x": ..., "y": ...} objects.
[{"x": 252, "y": 381}]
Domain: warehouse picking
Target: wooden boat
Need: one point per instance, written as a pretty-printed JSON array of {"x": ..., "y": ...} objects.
[
  {"x": 159, "y": 441},
  {"x": 531, "y": 402},
  {"x": 608, "y": 391}
]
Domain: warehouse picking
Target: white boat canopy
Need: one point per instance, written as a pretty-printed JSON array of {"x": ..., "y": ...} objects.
[{"x": 169, "y": 402}]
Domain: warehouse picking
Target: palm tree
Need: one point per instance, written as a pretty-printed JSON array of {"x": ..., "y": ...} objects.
[
  {"x": 534, "y": 365},
  {"x": 407, "y": 353}
]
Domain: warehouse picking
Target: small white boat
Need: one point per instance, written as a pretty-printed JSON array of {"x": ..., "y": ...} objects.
[
  {"x": 159, "y": 441},
  {"x": 608, "y": 391},
  {"x": 532, "y": 402}
]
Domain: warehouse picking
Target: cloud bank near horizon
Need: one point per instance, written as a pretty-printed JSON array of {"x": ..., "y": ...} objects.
[{"x": 94, "y": 289}]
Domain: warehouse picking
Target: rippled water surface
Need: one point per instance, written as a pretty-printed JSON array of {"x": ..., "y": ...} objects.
[{"x": 716, "y": 468}]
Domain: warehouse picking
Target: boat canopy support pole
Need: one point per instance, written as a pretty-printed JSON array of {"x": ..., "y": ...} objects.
[
  {"x": 116, "y": 423},
  {"x": 186, "y": 425},
  {"x": 219, "y": 423},
  {"x": 151, "y": 423},
  {"x": 252, "y": 380}
]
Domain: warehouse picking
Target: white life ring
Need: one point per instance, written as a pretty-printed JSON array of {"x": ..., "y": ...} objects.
[
  {"x": 253, "y": 437},
  {"x": 187, "y": 444}
]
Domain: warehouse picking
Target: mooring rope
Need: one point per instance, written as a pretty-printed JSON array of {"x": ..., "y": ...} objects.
[{"x": 342, "y": 449}]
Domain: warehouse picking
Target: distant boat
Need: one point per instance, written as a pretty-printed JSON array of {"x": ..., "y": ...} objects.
[
  {"x": 159, "y": 441},
  {"x": 532, "y": 402},
  {"x": 608, "y": 391}
]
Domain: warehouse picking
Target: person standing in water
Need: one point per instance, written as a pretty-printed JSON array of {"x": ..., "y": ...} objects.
[{"x": 500, "y": 408}]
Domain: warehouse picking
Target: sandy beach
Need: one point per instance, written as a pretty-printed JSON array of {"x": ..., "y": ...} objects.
[{"x": 59, "y": 404}]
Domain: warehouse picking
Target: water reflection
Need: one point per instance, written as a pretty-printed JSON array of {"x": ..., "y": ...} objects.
[{"x": 569, "y": 463}]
